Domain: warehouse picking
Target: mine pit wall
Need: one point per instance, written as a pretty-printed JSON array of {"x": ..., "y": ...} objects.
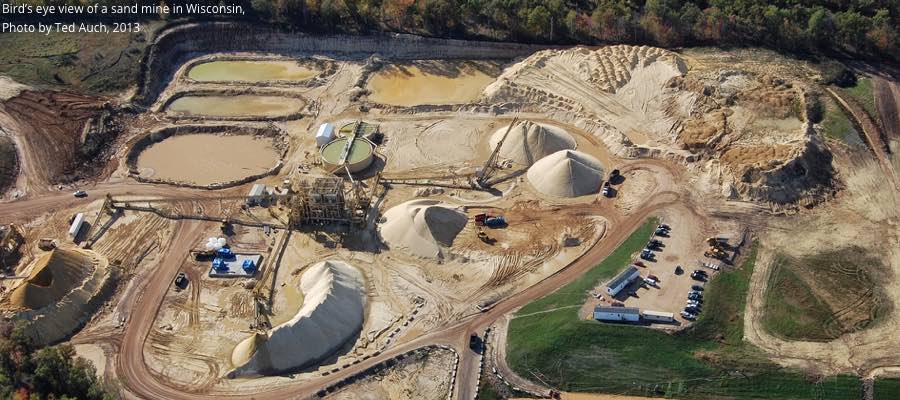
[
  {"x": 161, "y": 134},
  {"x": 179, "y": 44},
  {"x": 806, "y": 180},
  {"x": 58, "y": 321}
]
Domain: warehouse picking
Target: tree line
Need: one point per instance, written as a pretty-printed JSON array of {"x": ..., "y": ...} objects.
[{"x": 55, "y": 372}]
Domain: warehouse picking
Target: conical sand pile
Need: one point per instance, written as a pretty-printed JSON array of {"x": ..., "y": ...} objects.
[
  {"x": 422, "y": 227},
  {"x": 332, "y": 314},
  {"x": 528, "y": 142},
  {"x": 566, "y": 173},
  {"x": 53, "y": 276}
]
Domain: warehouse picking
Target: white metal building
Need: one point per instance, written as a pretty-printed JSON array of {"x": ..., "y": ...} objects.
[
  {"x": 325, "y": 134},
  {"x": 657, "y": 316},
  {"x": 622, "y": 280},
  {"x": 604, "y": 313},
  {"x": 77, "y": 223},
  {"x": 257, "y": 194}
]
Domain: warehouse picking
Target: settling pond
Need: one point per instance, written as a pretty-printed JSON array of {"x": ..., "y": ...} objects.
[
  {"x": 432, "y": 82},
  {"x": 206, "y": 158},
  {"x": 243, "y": 105},
  {"x": 251, "y": 71}
]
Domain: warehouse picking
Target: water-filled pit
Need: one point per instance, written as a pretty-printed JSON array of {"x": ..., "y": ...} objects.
[
  {"x": 432, "y": 82},
  {"x": 244, "y": 105},
  {"x": 251, "y": 71},
  {"x": 206, "y": 158}
]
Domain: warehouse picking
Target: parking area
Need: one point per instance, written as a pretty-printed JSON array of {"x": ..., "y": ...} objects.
[{"x": 683, "y": 244}]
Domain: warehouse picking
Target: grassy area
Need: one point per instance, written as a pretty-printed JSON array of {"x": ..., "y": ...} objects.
[
  {"x": 887, "y": 388},
  {"x": 863, "y": 95},
  {"x": 837, "y": 125},
  {"x": 487, "y": 392},
  {"x": 7, "y": 163},
  {"x": 800, "y": 315},
  {"x": 93, "y": 63},
  {"x": 808, "y": 297},
  {"x": 710, "y": 360},
  {"x": 573, "y": 293}
]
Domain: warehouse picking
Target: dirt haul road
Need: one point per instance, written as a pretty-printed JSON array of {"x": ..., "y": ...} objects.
[{"x": 137, "y": 378}]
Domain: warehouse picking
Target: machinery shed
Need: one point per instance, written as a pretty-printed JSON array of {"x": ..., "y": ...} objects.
[
  {"x": 657, "y": 316},
  {"x": 604, "y": 313}
]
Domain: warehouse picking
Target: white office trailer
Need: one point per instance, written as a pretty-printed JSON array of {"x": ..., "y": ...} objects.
[
  {"x": 325, "y": 134},
  {"x": 622, "y": 280},
  {"x": 657, "y": 316},
  {"x": 77, "y": 223},
  {"x": 604, "y": 313}
]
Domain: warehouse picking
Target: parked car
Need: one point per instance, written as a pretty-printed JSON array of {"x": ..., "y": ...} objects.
[
  {"x": 679, "y": 270},
  {"x": 651, "y": 282},
  {"x": 698, "y": 288},
  {"x": 697, "y": 292},
  {"x": 661, "y": 232},
  {"x": 647, "y": 254},
  {"x": 640, "y": 264},
  {"x": 692, "y": 310},
  {"x": 79, "y": 194},
  {"x": 688, "y": 315},
  {"x": 695, "y": 297},
  {"x": 664, "y": 226},
  {"x": 654, "y": 277}
]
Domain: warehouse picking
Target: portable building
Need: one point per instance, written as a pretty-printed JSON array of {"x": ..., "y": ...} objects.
[
  {"x": 257, "y": 194},
  {"x": 658, "y": 316},
  {"x": 325, "y": 134},
  {"x": 622, "y": 280},
  {"x": 604, "y": 313},
  {"x": 77, "y": 223}
]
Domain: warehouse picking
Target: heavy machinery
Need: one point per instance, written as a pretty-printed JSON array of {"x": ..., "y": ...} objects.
[
  {"x": 715, "y": 252},
  {"x": 485, "y": 238},
  {"x": 490, "y": 221},
  {"x": 484, "y": 173},
  {"x": 720, "y": 243}
]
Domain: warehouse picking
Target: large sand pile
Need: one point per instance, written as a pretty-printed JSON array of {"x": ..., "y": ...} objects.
[
  {"x": 332, "y": 314},
  {"x": 62, "y": 291},
  {"x": 528, "y": 142},
  {"x": 566, "y": 173},
  {"x": 422, "y": 227},
  {"x": 52, "y": 276}
]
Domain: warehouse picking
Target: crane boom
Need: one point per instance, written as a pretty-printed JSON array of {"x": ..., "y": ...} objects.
[{"x": 490, "y": 165}]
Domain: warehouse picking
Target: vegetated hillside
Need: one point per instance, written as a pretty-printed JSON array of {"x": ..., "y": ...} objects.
[{"x": 8, "y": 163}]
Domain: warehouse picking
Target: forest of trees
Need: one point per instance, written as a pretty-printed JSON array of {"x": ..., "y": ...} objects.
[
  {"x": 853, "y": 27},
  {"x": 48, "y": 373}
]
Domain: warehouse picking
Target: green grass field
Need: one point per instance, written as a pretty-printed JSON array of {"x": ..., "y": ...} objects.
[
  {"x": 801, "y": 315},
  {"x": 820, "y": 287},
  {"x": 709, "y": 360},
  {"x": 837, "y": 125},
  {"x": 862, "y": 93},
  {"x": 887, "y": 388}
]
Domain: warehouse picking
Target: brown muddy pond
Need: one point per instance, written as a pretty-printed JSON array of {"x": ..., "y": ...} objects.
[
  {"x": 243, "y": 105},
  {"x": 432, "y": 82},
  {"x": 251, "y": 71},
  {"x": 206, "y": 158}
]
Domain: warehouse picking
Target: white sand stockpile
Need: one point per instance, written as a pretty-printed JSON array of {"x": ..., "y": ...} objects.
[
  {"x": 424, "y": 228},
  {"x": 528, "y": 142},
  {"x": 62, "y": 291},
  {"x": 566, "y": 173},
  {"x": 332, "y": 314}
]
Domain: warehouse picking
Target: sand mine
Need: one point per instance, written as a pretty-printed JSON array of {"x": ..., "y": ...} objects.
[{"x": 275, "y": 214}]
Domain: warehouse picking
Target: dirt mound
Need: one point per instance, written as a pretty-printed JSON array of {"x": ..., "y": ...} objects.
[
  {"x": 332, "y": 314},
  {"x": 567, "y": 173},
  {"x": 422, "y": 227},
  {"x": 52, "y": 276},
  {"x": 528, "y": 142}
]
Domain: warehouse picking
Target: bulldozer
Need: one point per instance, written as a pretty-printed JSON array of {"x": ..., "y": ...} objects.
[
  {"x": 715, "y": 252},
  {"x": 485, "y": 238}
]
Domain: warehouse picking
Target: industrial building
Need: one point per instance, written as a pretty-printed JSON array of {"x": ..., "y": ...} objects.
[
  {"x": 325, "y": 134},
  {"x": 604, "y": 313},
  {"x": 257, "y": 195},
  {"x": 657, "y": 316},
  {"x": 77, "y": 223},
  {"x": 622, "y": 280}
]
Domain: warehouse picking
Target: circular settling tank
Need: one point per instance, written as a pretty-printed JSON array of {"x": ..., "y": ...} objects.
[{"x": 357, "y": 158}]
